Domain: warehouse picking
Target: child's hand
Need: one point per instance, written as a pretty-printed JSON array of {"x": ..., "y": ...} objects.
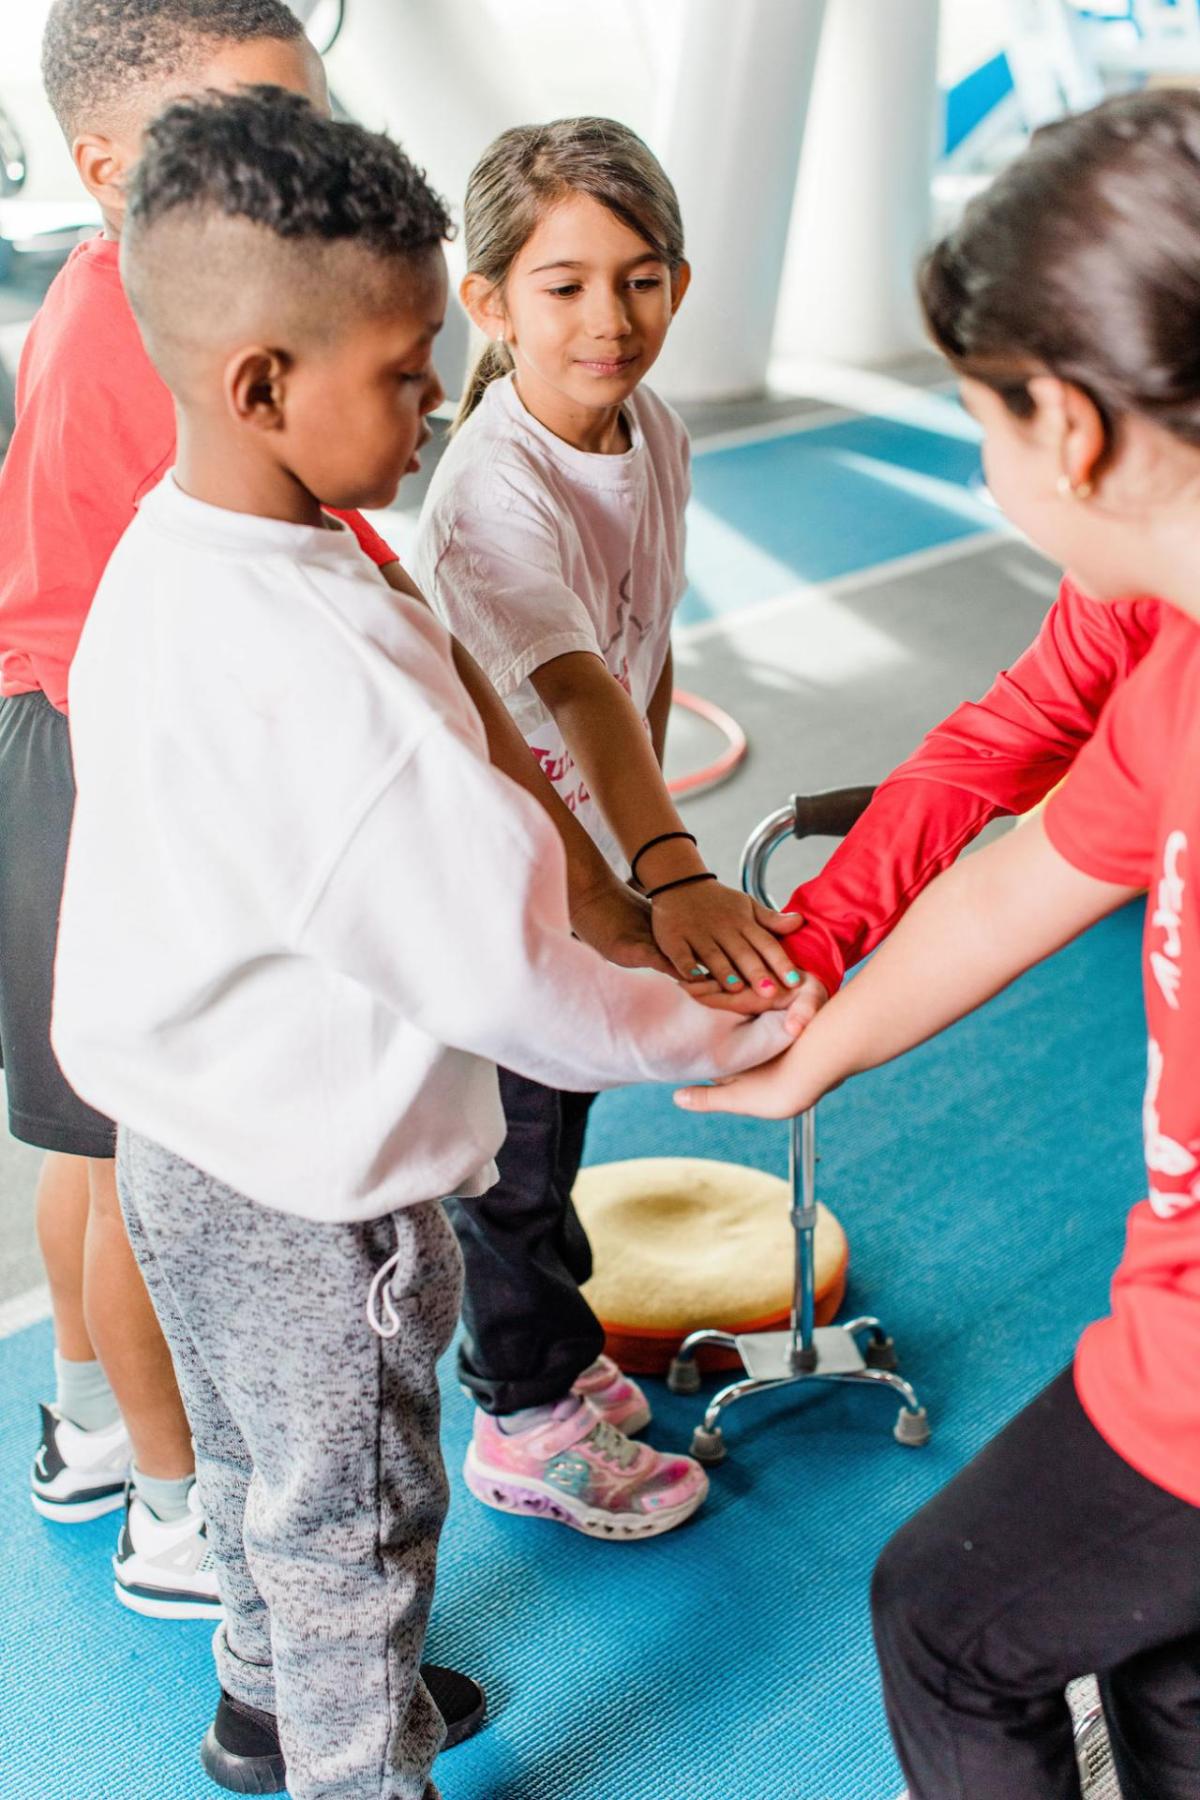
[
  {"x": 617, "y": 922},
  {"x": 775, "y": 1090},
  {"x": 710, "y": 926},
  {"x": 803, "y": 1003}
]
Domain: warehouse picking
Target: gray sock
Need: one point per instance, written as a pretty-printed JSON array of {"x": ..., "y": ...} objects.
[
  {"x": 83, "y": 1394},
  {"x": 167, "y": 1500}
]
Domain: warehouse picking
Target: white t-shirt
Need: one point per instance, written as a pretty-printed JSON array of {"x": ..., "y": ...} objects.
[
  {"x": 530, "y": 549},
  {"x": 303, "y": 916}
]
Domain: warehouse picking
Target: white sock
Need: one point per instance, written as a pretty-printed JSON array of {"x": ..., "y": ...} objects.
[
  {"x": 82, "y": 1394},
  {"x": 167, "y": 1500}
]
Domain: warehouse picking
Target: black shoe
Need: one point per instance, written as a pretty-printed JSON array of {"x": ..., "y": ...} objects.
[
  {"x": 461, "y": 1702},
  {"x": 241, "y": 1750}
]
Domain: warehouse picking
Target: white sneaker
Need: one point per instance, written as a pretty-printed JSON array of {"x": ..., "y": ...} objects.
[
  {"x": 77, "y": 1474},
  {"x": 165, "y": 1569}
]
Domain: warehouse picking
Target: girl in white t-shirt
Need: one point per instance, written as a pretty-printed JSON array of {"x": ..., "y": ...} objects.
[{"x": 552, "y": 544}]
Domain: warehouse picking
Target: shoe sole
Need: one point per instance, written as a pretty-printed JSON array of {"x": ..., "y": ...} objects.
[
  {"x": 159, "y": 1603},
  {"x": 77, "y": 1512},
  {"x": 534, "y": 1499},
  {"x": 241, "y": 1774},
  {"x": 465, "y": 1728}
]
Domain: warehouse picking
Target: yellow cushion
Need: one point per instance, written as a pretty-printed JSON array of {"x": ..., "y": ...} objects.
[{"x": 684, "y": 1242}]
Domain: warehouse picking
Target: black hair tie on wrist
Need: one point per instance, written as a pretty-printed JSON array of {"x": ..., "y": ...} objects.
[
  {"x": 684, "y": 881},
  {"x": 664, "y": 837}
]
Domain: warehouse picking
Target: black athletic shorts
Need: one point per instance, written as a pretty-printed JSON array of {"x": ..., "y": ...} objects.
[{"x": 37, "y": 797}]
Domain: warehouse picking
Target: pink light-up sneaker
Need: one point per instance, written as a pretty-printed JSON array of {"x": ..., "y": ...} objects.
[
  {"x": 580, "y": 1470},
  {"x": 611, "y": 1393}
]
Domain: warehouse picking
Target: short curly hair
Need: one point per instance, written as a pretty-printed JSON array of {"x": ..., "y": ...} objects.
[
  {"x": 267, "y": 156},
  {"x": 252, "y": 210},
  {"x": 94, "y": 52}
]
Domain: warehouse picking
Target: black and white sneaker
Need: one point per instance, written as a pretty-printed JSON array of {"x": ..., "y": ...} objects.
[
  {"x": 241, "y": 1750},
  {"x": 77, "y": 1474},
  {"x": 165, "y": 1569}
]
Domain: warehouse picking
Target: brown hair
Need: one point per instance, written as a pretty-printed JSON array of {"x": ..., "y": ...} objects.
[
  {"x": 532, "y": 167},
  {"x": 1082, "y": 260}
]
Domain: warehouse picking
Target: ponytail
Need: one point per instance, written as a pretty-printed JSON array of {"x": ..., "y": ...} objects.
[{"x": 493, "y": 361}]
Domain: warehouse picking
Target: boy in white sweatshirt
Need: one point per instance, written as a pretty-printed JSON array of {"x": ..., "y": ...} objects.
[{"x": 303, "y": 919}]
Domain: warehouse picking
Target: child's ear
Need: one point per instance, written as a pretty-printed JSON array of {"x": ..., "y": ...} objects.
[
  {"x": 255, "y": 387},
  {"x": 681, "y": 281},
  {"x": 1071, "y": 424},
  {"x": 103, "y": 164},
  {"x": 483, "y": 302}
]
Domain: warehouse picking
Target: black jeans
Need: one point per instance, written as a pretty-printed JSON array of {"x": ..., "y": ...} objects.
[
  {"x": 528, "y": 1331},
  {"x": 1048, "y": 1557}
]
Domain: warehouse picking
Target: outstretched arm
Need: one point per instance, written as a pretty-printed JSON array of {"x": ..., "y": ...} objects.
[
  {"x": 997, "y": 755},
  {"x": 975, "y": 929}
]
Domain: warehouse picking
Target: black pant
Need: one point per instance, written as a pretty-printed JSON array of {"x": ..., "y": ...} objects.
[
  {"x": 528, "y": 1331},
  {"x": 1048, "y": 1557}
]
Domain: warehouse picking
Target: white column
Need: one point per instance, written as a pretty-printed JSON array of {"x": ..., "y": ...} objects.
[
  {"x": 863, "y": 201},
  {"x": 729, "y": 133}
]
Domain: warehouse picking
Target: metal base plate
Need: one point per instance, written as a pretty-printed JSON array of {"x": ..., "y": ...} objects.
[{"x": 767, "y": 1354}]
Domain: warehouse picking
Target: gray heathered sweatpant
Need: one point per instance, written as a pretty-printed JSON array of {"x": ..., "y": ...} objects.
[{"x": 317, "y": 1458}]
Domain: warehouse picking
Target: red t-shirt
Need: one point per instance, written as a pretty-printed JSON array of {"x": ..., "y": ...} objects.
[
  {"x": 95, "y": 431},
  {"x": 1130, "y": 814},
  {"x": 997, "y": 755}
]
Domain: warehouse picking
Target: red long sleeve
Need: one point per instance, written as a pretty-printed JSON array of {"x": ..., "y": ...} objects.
[
  {"x": 1000, "y": 754},
  {"x": 377, "y": 548}
]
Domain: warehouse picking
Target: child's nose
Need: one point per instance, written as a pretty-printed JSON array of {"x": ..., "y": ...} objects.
[
  {"x": 609, "y": 318},
  {"x": 434, "y": 393}
]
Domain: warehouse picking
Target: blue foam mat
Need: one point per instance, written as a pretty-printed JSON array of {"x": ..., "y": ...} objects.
[
  {"x": 983, "y": 1182},
  {"x": 873, "y": 489}
]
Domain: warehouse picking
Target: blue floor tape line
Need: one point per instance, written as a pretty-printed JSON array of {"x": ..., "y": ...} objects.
[{"x": 983, "y": 1182}]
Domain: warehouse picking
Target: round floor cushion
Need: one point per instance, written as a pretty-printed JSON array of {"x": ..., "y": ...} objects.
[{"x": 681, "y": 1242}]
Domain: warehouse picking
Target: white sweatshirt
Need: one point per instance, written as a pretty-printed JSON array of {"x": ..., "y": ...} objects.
[{"x": 303, "y": 917}]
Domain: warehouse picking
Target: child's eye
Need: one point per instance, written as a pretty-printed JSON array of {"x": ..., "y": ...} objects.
[
  {"x": 642, "y": 284},
  {"x": 565, "y": 292}
]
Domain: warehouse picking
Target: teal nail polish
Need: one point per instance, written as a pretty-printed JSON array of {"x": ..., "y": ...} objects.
[
  {"x": 792, "y": 977},
  {"x": 733, "y": 981},
  {"x": 697, "y": 970}
]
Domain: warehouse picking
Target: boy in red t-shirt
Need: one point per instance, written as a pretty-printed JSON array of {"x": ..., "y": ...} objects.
[{"x": 1071, "y": 1543}]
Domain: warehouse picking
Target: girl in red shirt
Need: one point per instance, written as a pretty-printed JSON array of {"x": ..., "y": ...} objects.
[{"x": 1068, "y": 299}]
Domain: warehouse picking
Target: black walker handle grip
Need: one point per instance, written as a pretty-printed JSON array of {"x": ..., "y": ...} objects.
[{"x": 830, "y": 814}]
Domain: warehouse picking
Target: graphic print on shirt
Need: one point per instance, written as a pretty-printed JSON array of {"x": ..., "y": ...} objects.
[
  {"x": 1168, "y": 1161},
  {"x": 625, "y": 616},
  {"x": 1167, "y": 917}
]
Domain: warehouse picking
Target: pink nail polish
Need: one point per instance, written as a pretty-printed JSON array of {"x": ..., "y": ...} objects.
[{"x": 766, "y": 987}]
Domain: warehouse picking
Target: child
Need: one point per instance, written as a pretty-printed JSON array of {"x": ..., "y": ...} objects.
[
  {"x": 301, "y": 912},
  {"x": 95, "y": 430},
  {"x": 551, "y": 542},
  {"x": 1069, "y": 301}
]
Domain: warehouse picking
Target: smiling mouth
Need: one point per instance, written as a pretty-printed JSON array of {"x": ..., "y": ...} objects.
[{"x": 606, "y": 365}]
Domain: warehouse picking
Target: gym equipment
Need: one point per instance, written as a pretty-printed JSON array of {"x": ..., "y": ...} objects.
[{"x": 682, "y": 1241}]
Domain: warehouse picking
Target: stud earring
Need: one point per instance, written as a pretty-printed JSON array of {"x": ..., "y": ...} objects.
[{"x": 1076, "y": 491}]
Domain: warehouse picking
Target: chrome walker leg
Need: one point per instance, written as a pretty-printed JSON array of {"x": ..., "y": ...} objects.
[{"x": 806, "y": 1351}]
